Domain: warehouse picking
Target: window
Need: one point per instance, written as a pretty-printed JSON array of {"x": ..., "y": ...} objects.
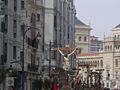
[
  {"x": 108, "y": 48},
  {"x": 98, "y": 64},
  {"x": 22, "y": 5},
  {"x": 38, "y": 17},
  {"x": 116, "y": 62},
  {"x": 14, "y": 52},
  {"x": 55, "y": 21},
  {"x": 14, "y": 28},
  {"x": 21, "y": 55},
  {"x": 107, "y": 84},
  {"x": 105, "y": 48},
  {"x": 6, "y": 2},
  {"x": 22, "y": 29},
  {"x": 79, "y": 38},
  {"x": 115, "y": 46},
  {"x": 2, "y": 26},
  {"x": 5, "y": 52},
  {"x": 85, "y": 39},
  {"x": 15, "y": 5},
  {"x": 116, "y": 74},
  {"x": 101, "y": 63},
  {"x": 6, "y": 23},
  {"x": 118, "y": 36},
  {"x": 26, "y": 14},
  {"x": 32, "y": 59}
]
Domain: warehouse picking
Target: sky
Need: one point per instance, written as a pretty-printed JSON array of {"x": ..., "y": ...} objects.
[{"x": 103, "y": 15}]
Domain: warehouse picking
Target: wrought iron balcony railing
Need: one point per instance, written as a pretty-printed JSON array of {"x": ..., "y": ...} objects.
[
  {"x": 32, "y": 43},
  {"x": 33, "y": 67}
]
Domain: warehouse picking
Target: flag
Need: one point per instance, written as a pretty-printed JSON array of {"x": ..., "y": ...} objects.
[{"x": 55, "y": 86}]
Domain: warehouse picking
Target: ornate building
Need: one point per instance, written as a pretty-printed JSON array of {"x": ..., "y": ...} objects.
[
  {"x": 107, "y": 59},
  {"x": 20, "y": 16},
  {"x": 95, "y": 44},
  {"x": 51, "y": 20},
  {"x": 59, "y": 29},
  {"x": 82, "y": 35}
]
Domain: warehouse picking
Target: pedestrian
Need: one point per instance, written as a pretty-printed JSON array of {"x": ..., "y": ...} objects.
[
  {"x": 72, "y": 84},
  {"x": 55, "y": 85},
  {"x": 66, "y": 86}
]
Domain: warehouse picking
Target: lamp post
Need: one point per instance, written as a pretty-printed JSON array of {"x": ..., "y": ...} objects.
[
  {"x": 50, "y": 60},
  {"x": 24, "y": 33}
]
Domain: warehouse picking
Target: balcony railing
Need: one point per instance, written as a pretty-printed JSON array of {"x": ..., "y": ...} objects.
[
  {"x": 32, "y": 43},
  {"x": 33, "y": 67}
]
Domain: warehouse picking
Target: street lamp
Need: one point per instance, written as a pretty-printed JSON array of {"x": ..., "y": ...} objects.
[
  {"x": 50, "y": 60},
  {"x": 51, "y": 46},
  {"x": 24, "y": 33}
]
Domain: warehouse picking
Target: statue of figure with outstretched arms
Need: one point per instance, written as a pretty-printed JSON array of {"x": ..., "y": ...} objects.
[{"x": 66, "y": 56}]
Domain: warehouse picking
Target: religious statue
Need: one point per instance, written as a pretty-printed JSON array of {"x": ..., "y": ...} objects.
[{"x": 66, "y": 56}]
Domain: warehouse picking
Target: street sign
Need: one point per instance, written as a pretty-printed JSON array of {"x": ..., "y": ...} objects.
[{"x": 10, "y": 81}]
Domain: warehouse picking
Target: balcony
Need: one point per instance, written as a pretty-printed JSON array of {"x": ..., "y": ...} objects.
[
  {"x": 33, "y": 67},
  {"x": 33, "y": 43},
  {"x": 3, "y": 59}
]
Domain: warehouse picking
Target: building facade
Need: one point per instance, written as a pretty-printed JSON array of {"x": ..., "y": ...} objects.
[
  {"x": 59, "y": 28},
  {"x": 20, "y": 16},
  {"x": 82, "y": 35},
  {"x": 107, "y": 59},
  {"x": 95, "y": 44},
  {"x": 51, "y": 20}
]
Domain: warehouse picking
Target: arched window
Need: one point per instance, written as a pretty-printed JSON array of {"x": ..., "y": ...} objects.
[
  {"x": 101, "y": 63},
  {"x": 116, "y": 62},
  {"x": 89, "y": 62},
  {"x": 79, "y": 38},
  {"x": 98, "y": 64},
  {"x": 105, "y": 48},
  {"x": 92, "y": 62},
  {"x": 118, "y": 46},
  {"x": 85, "y": 39},
  {"x": 118, "y": 36},
  {"x": 116, "y": 74},
  {"x": 115, "y": 46},
  {"x": 110, "y": 47}
]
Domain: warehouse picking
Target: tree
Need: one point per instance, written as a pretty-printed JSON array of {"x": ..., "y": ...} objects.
[
  {"x": 46, "y": 84},
  {"x": 38, "y": 84},
  {"x": 2, "y": 74}
]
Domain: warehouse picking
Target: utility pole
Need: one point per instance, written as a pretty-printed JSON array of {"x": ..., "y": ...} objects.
[{"x": 50, "y": 59}]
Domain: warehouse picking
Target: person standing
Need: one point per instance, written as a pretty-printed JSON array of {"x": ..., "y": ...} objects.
[
  {"x": 55, "y": 85},
  {"x": 66, "y": 86}
]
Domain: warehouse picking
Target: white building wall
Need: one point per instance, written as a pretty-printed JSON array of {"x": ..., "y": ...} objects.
[
  {"x": 110, "y": 56},
  {"x": 83, "y": 32},
  {"x": 49, "y": 26},
  {"x": 58, "y": 24}
]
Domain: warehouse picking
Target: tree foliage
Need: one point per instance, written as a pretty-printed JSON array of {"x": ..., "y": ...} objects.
[
  {"x": 2, "y": 74},
  {"x": 38, "y": 84},
  {"x": 47, "y": 84}
]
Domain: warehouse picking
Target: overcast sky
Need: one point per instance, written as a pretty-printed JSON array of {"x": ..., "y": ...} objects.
[{"x": 102, "y": 14}]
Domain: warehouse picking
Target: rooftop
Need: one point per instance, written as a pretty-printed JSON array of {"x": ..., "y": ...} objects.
[
  {"x": 88, "y": 54},
  {"x": 78, "y": 22},
  {"x": 118, "y": 26}
]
